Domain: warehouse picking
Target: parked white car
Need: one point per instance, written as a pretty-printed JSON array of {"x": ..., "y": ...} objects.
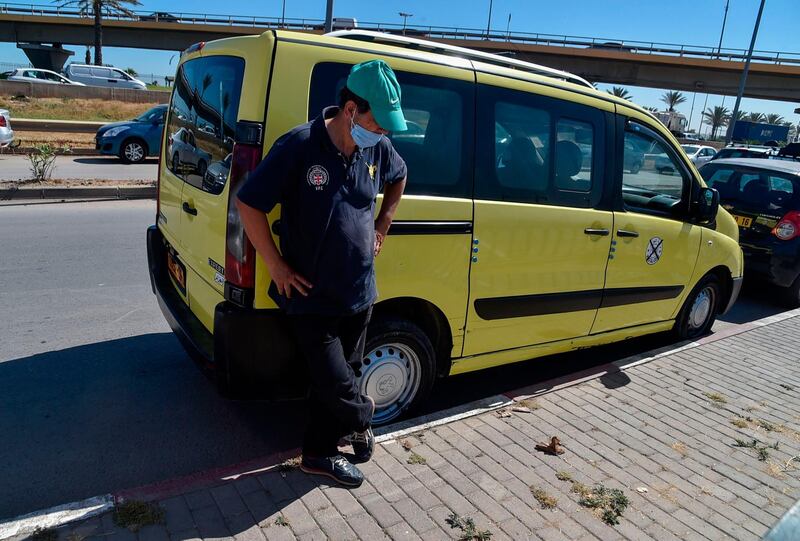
[
  {"x": 105, "y": 76},
  {"x": 699, "y": 154},
  {"x": 35, "y": 75},
  {"x": 6, "y": 134}
]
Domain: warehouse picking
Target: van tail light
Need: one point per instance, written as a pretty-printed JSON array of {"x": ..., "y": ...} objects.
[
  {"x": 240, "y": 256},
  {"x": 789, "y": 226},
  {"x": 2, "y": 121}
]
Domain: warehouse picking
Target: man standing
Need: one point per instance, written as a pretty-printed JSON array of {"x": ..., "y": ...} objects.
[{"x": 326, "y": 175}]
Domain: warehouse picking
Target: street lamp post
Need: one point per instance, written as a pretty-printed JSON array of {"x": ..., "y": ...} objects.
[
  {"x": 405, "y": 17},
  {"x": 283, "y": 14},
  {"x": 729, "y": 133},
  {"x": 489, "y": 24},
  {"x": 329, "y": 17}
]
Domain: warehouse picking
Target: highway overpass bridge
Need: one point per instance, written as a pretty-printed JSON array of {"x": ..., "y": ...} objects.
[{"x": 773, "y": 75}]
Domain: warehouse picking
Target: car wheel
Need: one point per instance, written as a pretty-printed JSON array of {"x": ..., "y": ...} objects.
[
  {"x": 700, "y": 309},
  {"x": 201, "y": 168},
  {"x": 399, "y": 368},
  {"x": 133, "y": 151},
  {"x": 792, "y": 297},
  {"x": 636, "y": 168}
]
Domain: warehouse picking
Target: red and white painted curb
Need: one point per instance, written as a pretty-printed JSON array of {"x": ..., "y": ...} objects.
[{"x": 63, "y": 514}]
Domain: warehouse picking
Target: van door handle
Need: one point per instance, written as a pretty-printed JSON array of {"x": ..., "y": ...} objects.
[
  {"x": 623, "y": 233},
  {"x": 189, "y": 210},
  {"x": 600, "y": 232}
]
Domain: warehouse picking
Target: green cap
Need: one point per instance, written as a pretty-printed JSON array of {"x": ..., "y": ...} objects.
[{"x": 374, "y": 81}]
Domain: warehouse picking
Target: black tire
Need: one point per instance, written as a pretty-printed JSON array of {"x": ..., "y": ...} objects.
[
  {"x": 402, "y": 340},
  {"x": 128, "y": 154},
  {"x": 636, "y": 168},
  {"x": 792, "y": 297},
  {"x": 689, "y": 325}
]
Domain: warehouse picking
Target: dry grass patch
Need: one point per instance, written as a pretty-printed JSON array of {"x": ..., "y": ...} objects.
[
  {"x": 739, "y": 423},
  {"x": 414, "y": 458},
  {"x": 134, "y": 514},
  {"x": 529, "y": 403},
  {"x": 563, "y": 475},
  {"x": 61, "y": 139},
  {"x": 680, "y": 448},
  {"x": 546, "y": 501},
  {"x": 775, "y": 470},
  {"x": 715, "y": 397},
  {"x": 72, "y": 109}
]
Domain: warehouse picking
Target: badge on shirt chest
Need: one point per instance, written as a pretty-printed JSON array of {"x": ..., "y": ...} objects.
[
  {"x": 372, "y": 168},
  {"x": 317, "y": 176}
]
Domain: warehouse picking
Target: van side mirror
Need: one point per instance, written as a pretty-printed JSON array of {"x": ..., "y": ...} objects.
[{"x": 704, "y": 208}]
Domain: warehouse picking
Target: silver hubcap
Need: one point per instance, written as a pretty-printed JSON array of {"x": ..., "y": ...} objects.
[
  {"x": 701, "y": 308},
  {"x": 391, "y": 376},
  {"x": 134, "y": 152}
]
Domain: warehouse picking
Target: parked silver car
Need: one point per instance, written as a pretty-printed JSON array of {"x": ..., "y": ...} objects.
[
  {"x": 185, "y": 155},
  {"x": 34, "y": 75},
  {"x": 699, "y": 154},
  {"x": 6, "y": 133}
]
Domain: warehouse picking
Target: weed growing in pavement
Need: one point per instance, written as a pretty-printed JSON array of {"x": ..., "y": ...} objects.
[
  {"x": 134, "y": 514},
  {"x": 766, "y": 425},
  {"x": 563, "y": 475},
  {"x": 545, "y": 500},
  {"x": 717, "y": 398},
  {"x": 762, "y": 451},
  {"x": 679, "y": 448},
  {"x": 281, "y": 521},
  {"x": 739, "y": 423},
  {"x": 289, "y": 464},
  {"x": 406, "y": 444},
  {"x": 44, "y": 534},
  {"x": 529, "y": 403},
  {"x": 414, "y": 458},
  {"x": 469, "y": 532},
  {"x": 610, "y": 503},
  {"x": 579, "y": 489},
  {"x": 43, "y": 160},
  {"x": 787, "y": 387}
]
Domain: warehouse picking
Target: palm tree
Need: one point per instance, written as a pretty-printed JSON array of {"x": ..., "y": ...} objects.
[
  {"x": 672, "y": 98},
  {"x": 755, "y": 117},
  {"x": 716, "y": 118},
  {"x": 651, "y": 109},
  {"x": 620, "y": 92},
  {"x": 97, "y": 8},
  {"x": 774, "y": 118},
  {"x": 740, "y": 115}
]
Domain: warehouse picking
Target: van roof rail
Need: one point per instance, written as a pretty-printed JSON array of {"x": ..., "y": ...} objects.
[{"x": 463, "y": 52}]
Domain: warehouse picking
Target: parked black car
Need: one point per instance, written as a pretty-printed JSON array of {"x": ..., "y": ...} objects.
[{"x": 764, "y": 198}]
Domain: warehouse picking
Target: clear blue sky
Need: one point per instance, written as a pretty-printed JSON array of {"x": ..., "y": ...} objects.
[{"x": 695, "y": 22}]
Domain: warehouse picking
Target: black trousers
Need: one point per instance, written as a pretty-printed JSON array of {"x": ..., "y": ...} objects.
[{"x": 333, "y": 348}]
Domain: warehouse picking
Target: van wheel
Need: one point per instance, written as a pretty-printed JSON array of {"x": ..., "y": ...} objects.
[
  {"x": 700, "y": 309},
  {"x": 399, "y": 368},
  {"x": 133, "y": 151}
]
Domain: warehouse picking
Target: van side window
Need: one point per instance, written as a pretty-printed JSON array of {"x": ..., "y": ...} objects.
[
  {"x": 654, "y": 180},
  {"x": 437, "y": 146},
  {"x": 202, "y": 120},
  {"x": 541, "y": 150}
]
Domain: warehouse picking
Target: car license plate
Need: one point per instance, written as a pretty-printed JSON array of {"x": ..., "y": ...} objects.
[
  {"x": 177, "y": 270},
  {"x": 743, "y": 221}
]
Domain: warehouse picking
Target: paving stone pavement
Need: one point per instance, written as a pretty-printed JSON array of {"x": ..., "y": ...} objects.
[{"x": 665, "y": 433}]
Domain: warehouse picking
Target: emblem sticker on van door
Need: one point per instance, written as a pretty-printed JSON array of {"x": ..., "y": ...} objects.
[{"x": 654, "y": 249}]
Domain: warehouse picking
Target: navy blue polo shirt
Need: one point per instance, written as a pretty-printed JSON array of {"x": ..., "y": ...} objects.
[{"x": 327, "y": 224}]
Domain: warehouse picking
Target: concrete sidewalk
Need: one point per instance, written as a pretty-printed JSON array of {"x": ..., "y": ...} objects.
[{"x": 703, "y": 443}]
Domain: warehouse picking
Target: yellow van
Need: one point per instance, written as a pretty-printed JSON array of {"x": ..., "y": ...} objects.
[{"x": 540, "y": 215}]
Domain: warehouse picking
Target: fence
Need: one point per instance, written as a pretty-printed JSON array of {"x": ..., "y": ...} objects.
[{"x": 38, "y": 90}]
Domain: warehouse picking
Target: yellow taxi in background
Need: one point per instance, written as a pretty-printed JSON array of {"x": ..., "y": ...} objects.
[{"x": 534, "y": 221}]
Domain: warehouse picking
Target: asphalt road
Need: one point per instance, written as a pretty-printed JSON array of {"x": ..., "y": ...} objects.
[
  {"x": 16, "y": 168},
  {"x": 96, "y": 394}
]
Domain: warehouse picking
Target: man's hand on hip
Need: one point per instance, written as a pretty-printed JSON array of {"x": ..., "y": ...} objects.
[{"x": 286, "y": 278}]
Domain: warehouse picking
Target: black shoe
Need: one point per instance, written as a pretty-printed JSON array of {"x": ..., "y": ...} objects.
[
  {"x": 336, "y": 467},
  {"x": 363, "y": 445}
]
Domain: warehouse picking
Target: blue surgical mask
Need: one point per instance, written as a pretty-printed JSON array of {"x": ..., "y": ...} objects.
[{"x": 362, "y": 136}]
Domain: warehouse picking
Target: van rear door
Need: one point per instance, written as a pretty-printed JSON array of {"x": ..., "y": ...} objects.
[{"x": 206, "y": 104}]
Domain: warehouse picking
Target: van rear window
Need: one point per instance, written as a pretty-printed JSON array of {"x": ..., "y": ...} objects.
[
  {"x": 202, "y": 120},
  {"x": 753, "y": 189}
]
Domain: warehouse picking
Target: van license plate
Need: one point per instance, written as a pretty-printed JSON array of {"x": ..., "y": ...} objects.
[
  {"x": 743, "y": 221},
  {"x": 177, "y": 270}
]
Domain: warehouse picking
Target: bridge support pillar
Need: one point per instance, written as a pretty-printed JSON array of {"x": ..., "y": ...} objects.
[{"x": 48, "y": 57}]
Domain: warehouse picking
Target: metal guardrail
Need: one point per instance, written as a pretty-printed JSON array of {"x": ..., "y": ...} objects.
[{"x": 440, "y": 32}]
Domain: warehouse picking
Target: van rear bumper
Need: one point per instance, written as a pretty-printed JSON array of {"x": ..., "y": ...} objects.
[{"x": 250, "y": 354}]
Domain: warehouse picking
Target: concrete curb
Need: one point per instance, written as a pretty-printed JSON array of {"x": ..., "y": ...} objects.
[
  {"x": 58, "y": 516},
  {"x": 65, "y": 194}
]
